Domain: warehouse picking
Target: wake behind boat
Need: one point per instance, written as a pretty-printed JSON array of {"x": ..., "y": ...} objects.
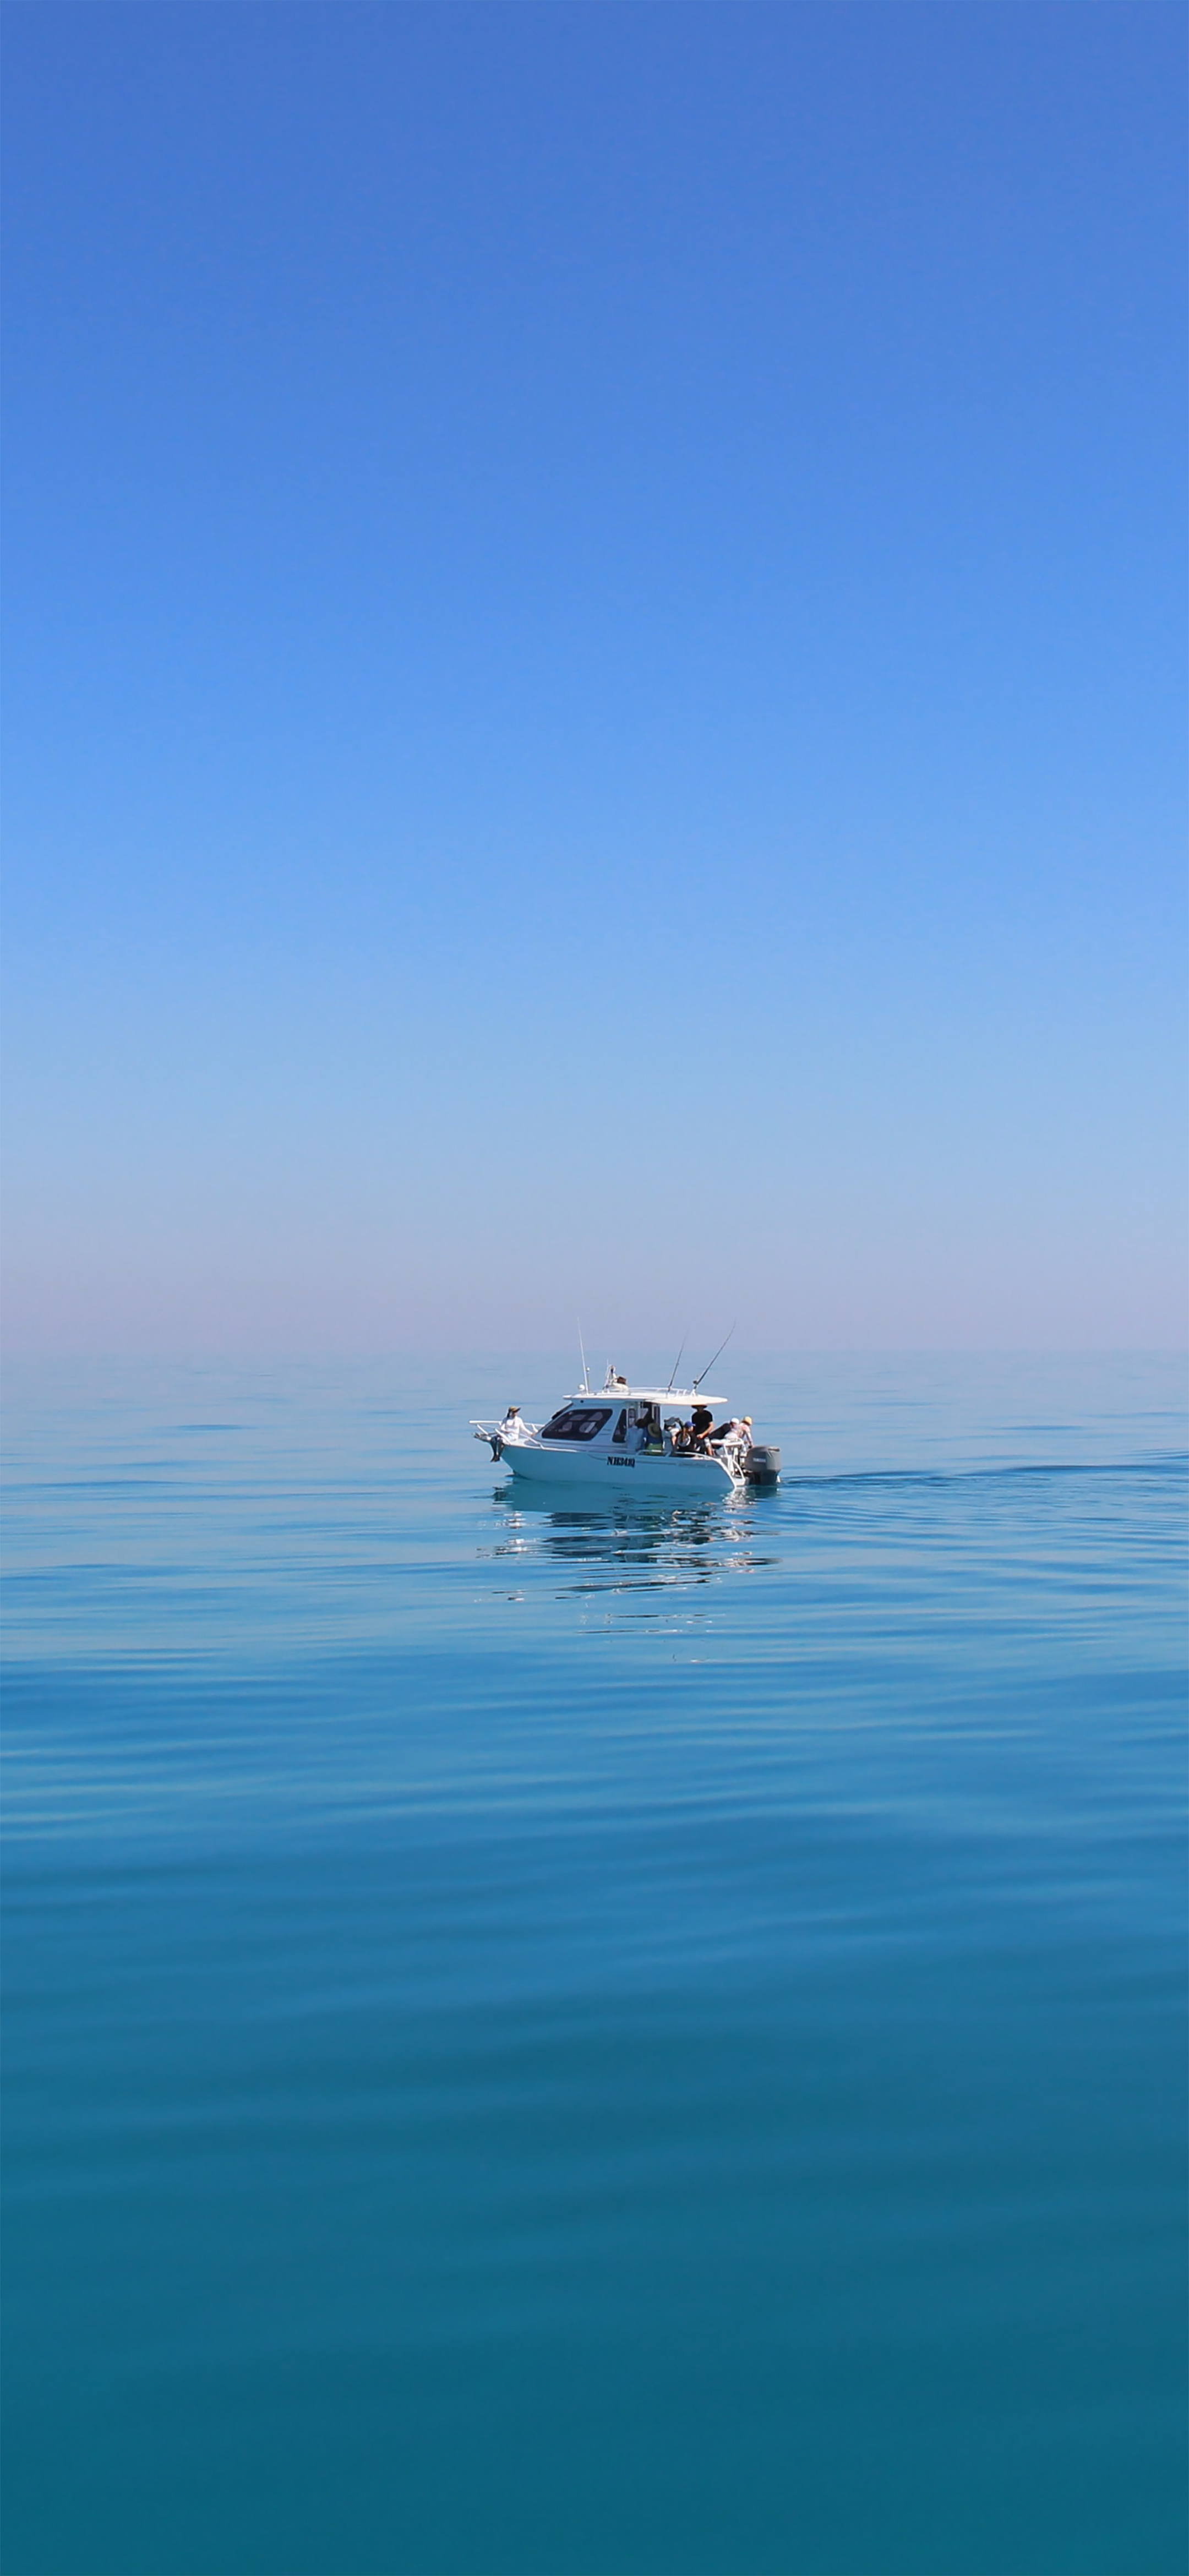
[{"x": 663, "y": 1439}]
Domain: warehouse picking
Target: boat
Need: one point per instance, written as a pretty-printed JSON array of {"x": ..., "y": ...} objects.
[{"x": 654, "y": 1439}]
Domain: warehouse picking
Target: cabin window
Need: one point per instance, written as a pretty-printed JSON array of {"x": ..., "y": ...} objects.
[
  {"x": 576, "y": 1422},
  {"x": 620, "y": 1432}
]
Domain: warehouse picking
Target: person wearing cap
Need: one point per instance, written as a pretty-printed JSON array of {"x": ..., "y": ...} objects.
[{"x": 512, "y": 1428}]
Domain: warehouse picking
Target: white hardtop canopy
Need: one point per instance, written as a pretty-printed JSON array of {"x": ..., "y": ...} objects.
[{"x": 620, "y": 1393}]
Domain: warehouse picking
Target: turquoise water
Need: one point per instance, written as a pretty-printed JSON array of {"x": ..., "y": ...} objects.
[{"x": 555, "y": 2042}]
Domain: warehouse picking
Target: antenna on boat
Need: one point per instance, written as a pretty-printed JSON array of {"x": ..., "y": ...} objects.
[
  {"x": 676, "y": 1365},
  {"x": 710, "y": 1363},
  {"x": 585, "y": 1370}
]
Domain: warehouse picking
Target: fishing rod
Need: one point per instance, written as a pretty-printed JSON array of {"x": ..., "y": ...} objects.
[
  {"x": 710, "y": 1363},
  {"x": 676, "y": 1366}
]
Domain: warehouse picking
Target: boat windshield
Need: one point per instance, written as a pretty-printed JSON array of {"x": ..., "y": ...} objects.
[{"x": 577, "y": 1422}]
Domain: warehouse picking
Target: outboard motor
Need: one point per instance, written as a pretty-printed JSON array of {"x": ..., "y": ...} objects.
[{"x": 762, "y": 1464}]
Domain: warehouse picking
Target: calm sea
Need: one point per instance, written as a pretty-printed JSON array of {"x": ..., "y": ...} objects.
[{"x": 577, "y": 2042}]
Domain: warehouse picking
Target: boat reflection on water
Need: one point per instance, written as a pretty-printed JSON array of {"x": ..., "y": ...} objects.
[{"x": 646, "y": 1544}]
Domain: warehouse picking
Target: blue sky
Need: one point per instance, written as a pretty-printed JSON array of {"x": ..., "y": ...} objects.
[{"x": 595, "y": 673}]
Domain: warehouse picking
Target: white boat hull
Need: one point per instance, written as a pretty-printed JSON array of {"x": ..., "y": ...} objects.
[{"x": 680, "y": 1479}]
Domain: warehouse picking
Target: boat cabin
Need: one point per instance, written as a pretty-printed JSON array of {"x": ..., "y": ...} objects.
[{"x": 628, "y": 1417}]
